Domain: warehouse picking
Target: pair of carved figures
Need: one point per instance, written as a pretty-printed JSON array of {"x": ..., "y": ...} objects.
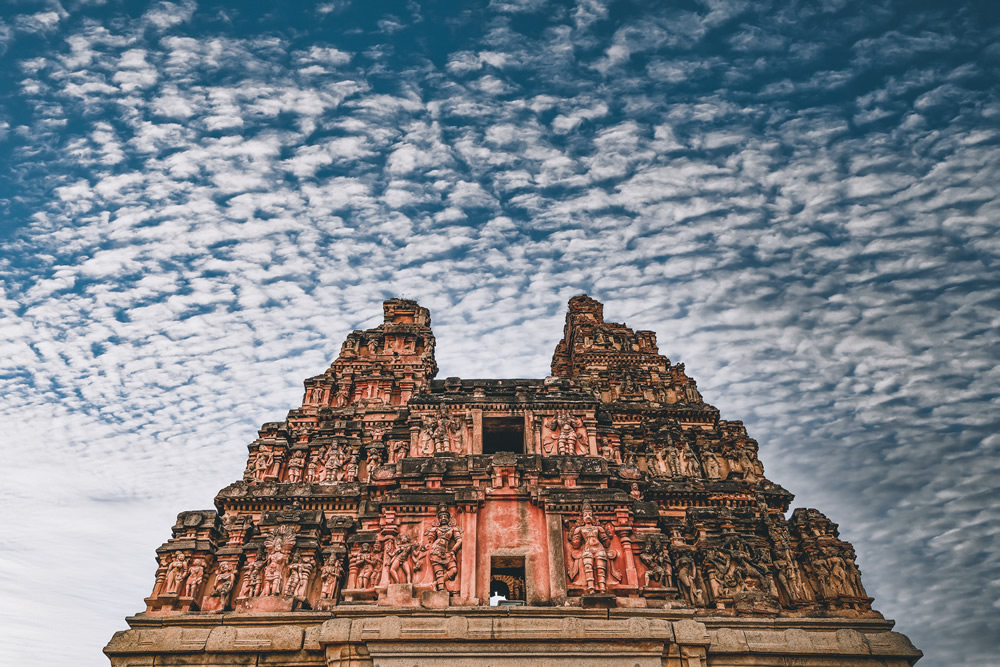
[
  {"x": 567, "y": 437},
  {"x": 332, "y": 464},
  {"x": 403, "y": 557},
  {"x": 673, "y": 459},
  {"x": 591, "y": 552},
  {"x": 183, "y": 577}
]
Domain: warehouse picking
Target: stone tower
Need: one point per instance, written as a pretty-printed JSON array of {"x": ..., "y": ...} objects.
[{"x": 603, "y": 515}]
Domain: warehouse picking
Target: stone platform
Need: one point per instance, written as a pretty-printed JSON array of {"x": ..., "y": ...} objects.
[{"x": 481, "y": 637}]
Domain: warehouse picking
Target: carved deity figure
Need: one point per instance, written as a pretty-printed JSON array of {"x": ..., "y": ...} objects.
[
  {"x": 689, "y": 464},
  {"x": 262, "y": 463},
  {"x": 711, "y": 465},
  {"x": 331, "y": 573},
  {"x": 225, "y": 579},
  {"x": 351, "y": 470},
  {"x": 401, "y": 564},
  {"x": 254, "y": 577},
  {"x": 274, "y": 572},
  {"x": 566, "y": 438},
  {"x": 176, "y": 571},
  {"x": 656, "y": 557},
  {"x": 399, "y": 450},
  {"x": 610, "y": 450},
  {"x": 687, "y": 578},
  {"x": 591, "y": 552},
  {"x": 295, "y": 465},
  {"x": 368, "y": 563},
  {"x": 445, "y": 542},
  {"x": 439, "y": 432},
  {"x": 196, "y": 573},
  {"x": 299, "y": 571}
]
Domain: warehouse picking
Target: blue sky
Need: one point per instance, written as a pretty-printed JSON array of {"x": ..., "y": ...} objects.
[{"x": 199, "y": 200}]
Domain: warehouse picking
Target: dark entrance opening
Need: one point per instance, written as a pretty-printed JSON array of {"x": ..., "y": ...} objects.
[
  {"x": 507, "y": 578},
  {"x": 503, "y": 434}
]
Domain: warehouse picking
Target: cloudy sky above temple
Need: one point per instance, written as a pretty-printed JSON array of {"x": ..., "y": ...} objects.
[{"x": 199, "y": 200}]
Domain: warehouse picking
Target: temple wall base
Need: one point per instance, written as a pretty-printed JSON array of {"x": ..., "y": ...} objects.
[{"x": 407, "y": 637}]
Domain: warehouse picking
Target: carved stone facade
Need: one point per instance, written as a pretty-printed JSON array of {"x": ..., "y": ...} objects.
[{"x": 608, "y": 504}]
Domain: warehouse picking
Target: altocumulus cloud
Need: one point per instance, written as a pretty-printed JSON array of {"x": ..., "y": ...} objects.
[{"x": 201, "y": 199}]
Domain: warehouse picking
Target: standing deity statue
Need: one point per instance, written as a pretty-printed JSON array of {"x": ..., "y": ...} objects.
[
  {"x": 689, "y": 464},
  {"x": 439, "y": 432},
  {"x": 351, "y": 470},
  {"x": 591, "y": 552},
  {"x": 331, "y": 574},
  {"x": 253, "y": 579},
  {"x": 274, "y": 570},
  {"x": 299, "y": 572},
  {"x": 566, "y": 439},
  {"x": 711, "y": 465},
  {"x": 368, "y": 562},
  {"x": 295, "y": 465},
  {"x": 445, "y": 542},
  {"x": 401, "y": 565},
  {"x": 176, "y": 571},
  {"x": 225, "y": 579},
  {"x": 687, "y": 580},
  {"x": 399, "y": 450},
  {"x": 196, "y": 573},
  {"x": 262, "y": 463}
]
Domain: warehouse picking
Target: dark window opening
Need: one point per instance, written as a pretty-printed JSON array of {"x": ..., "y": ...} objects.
[
  {"x": 503, "y": 434},
  {"x": 507, "y": 579}
]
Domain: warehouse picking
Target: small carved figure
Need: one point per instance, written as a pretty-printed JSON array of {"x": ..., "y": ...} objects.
[
  {"x": 331, "y": 573},
  {"x": 225, "y": 579},
  {"x": 351, "y": 470},
  {"x": 274, "y": 572},
  {"x": 253, "y": 581},
  {"x": 194, "y": 578},
  {"x": 687, "y": 575},
  {"x": 635, "y": 492},
  {"x": 591, "y": 542},
  {"x": 176, "y": 572},
  {"x": 401, "y": 561},
  {"x": 299, "y": 571},
  {"x": 366, "y": 561},
  {"x": 656, "y": 557},
  {"x": 446, "y": 542},
  {"x": 711, "y": 464},
  {"x": 689, "y": 464},
  {"x": 295, "y": 465},
  {"x": 566, "y": 439},
  {"x": 439, "y": 432},
  {"x": 263, "y": 462},
  {"x": 399, "y": 450}
]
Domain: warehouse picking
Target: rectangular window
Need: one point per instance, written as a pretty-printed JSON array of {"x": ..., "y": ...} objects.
[
  {"x": 506, "y": 580},
  {"x": 503, "y": 434}
]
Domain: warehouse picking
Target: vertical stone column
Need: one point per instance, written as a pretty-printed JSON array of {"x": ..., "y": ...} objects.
[
  {"x": 467, "y": 590},
  {"x": 477, "y": 432},
  {"x": 557, "y": 558}
]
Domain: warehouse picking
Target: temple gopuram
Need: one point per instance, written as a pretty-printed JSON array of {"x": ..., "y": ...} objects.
[{"x": 604, "y": 515}]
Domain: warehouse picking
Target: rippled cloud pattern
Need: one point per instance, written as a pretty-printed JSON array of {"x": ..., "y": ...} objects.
[{"x": 199, "y": 200}]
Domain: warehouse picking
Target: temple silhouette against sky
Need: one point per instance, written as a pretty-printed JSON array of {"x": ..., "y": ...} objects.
[{"x": 603, "y": 515}]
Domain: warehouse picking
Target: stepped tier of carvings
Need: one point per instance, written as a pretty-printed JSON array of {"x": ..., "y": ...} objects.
[{"x": 609, "y": 484}]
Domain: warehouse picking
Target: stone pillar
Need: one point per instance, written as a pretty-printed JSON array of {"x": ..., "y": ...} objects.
[
  {"x": 467, "y": 590},
  {"x": 557, "y": 558},
  {"x": 477, "y": 432}
]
